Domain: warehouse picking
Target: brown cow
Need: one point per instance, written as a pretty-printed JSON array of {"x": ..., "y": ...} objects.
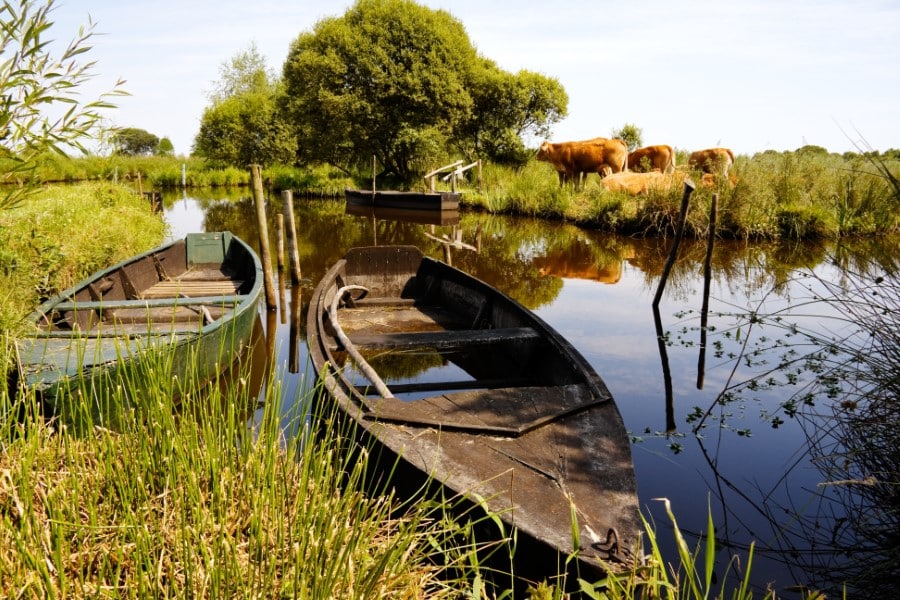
[
  {"x": 712, "y": 160},
  {"x": 648, "y": 158},
  {"x": 639, "y": 183},
  {"x": 572, "y": 159}
]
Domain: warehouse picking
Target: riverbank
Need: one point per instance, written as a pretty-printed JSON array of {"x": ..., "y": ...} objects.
[{"x": 804, "y": 194}]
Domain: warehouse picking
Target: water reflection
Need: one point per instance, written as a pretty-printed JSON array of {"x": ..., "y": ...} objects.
[{"x": 597, "y": 289}]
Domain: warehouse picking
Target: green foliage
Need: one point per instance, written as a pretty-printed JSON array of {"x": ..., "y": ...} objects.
[
  {"x": 632, "y": 134},
  {"x": 403, "y": 83},
  {"x": 165, "y": 147},
  {"x": 40, "y": 108},
  {"x": 507, "y": 108},
  {"x": 64, "y": 234},
  {"x": 242, "y": 125},
  {"x": 131, "y": 141},
  {"x": 242, "y": 130}
]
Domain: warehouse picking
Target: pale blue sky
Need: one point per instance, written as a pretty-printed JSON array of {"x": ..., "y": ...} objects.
[{"x": 752, "y": 75}]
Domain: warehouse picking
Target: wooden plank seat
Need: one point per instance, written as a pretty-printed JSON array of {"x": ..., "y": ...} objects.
[
  {"x": 175, "y": 288},
  {"x": 147, "y": 303},
  {"x": 446, "y": 339}
]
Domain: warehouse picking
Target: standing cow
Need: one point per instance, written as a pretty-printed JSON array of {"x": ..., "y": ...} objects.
[
  {"x": 712, "y": 160},
  {"x": 572, "y": 159},
  {"x": 649, "y": 158}
]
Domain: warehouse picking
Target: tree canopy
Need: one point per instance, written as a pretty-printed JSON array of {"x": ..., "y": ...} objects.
[
  {"x": 131, "y": 141},
  {"x": 403, "y": 83},
  {"x": 632, "y": 134},
  {"x": 242, "y": 125}
]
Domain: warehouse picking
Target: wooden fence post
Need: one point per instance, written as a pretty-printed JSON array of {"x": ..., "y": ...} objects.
[{"x": 260, "y": 200}]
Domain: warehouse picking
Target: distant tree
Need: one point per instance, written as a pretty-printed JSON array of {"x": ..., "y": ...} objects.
[
  {"x": 632, "y": 134},
  {"x": 812, "y": 149},
  {"x": 131, "y": 141},
  {"x": 165, "y": 147},
  {"x": 40, "y": 106},
  {"x": 403, "y": 82},
  {"x": 242, "y": 125},
  {"x": 508, "y": 109},
  {"x": 246, "y": 71}
]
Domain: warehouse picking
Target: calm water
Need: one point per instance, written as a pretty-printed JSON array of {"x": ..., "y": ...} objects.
[{"x": 760, "y": 483}]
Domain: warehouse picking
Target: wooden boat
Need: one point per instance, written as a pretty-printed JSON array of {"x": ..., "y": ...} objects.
[
  {"x": 405, "y": 215},
  {"x": 197, "y": 296},
  {"x": 408, "y": 200},
  {"x": 505, "y": 409}
]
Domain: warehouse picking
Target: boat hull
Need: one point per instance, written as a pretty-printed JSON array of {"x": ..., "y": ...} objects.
[
  {"x": 192, "y": 302},
  {"x": 524, "y": 427},
  {"x": 427, "y": 201}
]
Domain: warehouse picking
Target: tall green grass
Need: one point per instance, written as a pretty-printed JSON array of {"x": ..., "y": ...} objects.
[{"x": 64, "y": 233}]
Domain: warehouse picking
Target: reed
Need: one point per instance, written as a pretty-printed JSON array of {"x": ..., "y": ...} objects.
[{"x": 182, "y": 499}]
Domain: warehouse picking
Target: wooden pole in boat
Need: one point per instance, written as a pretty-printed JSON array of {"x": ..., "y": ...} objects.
[
  {"x": 260, "y": 201},
  {"x": 373, "y": 177},
  {"x": 679, "y": 233},
  {"x": 287, "y": 200}
]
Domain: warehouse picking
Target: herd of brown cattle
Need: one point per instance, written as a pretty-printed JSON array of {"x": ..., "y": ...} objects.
[{"x": 651, "y": 167}]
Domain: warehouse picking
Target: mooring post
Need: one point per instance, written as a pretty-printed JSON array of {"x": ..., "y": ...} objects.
[
  {"x": 260, "y": 200},
  {"x": 679, "y": 233},
  {"x": 287, "y": 201},
  {"x": 707, "y": 281}
]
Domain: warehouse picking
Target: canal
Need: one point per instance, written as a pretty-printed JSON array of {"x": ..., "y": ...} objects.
[{"x": 748, "y": 454}]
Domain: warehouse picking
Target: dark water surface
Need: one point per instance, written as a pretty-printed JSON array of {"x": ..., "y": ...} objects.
[{"x": 750, "y": 466}]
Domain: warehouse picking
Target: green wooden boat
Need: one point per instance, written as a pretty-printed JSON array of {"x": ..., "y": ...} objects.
[{"x": 194, "y": 300}]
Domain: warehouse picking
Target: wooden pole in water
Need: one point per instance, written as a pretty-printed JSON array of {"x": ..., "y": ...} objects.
[
  {"x": 707, "y": 280},
  {"x": 279, "y": 242},
  {"x": 287, "y": 201},
  {"x": 679, "y": 233},
  {"x": 260, "y": 200}
]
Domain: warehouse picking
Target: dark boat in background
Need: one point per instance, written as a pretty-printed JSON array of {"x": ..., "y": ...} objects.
[
  {"x": 464, "y": 385},
  {"x": 197, "y": 297},
  {"x": 446, "y": 201}
]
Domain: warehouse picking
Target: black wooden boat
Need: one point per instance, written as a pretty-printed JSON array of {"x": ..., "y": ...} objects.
[
  {"x": 491, "y": 401},
  {"x": 197, "y": 296},
  {"x": 409, "y": 200}
]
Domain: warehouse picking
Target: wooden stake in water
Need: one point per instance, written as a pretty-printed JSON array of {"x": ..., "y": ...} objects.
[
  {"x": 259, "y": 198},
  {"x": 679, "y": 233},
  {"x": 287, "y": 201}
]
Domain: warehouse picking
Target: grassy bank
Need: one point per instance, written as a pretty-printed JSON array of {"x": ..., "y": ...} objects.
[{"x": 805, "y": 194}]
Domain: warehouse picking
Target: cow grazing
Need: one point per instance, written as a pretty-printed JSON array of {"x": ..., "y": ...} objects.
[
  {"x": 639, "y": 183},
  {"x": 648, "y": 158},
  {"x": 572, "y": 159},
  {"x": 712, "y": 160}
]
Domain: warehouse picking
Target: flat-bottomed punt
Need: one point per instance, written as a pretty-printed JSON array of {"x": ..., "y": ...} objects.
[
  {"x": 470, "y": 388},
  {"x": 440, "y": 201},
  {"x": 197, "y": 297}
]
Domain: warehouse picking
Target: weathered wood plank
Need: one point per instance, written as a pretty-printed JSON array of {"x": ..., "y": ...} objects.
[{"x": 443, "y": 339}]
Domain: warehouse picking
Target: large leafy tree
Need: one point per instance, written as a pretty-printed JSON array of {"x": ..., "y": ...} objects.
[
  {"x": 40, "y": 106},
  {"x": 131, "y": 141},
  {"x": 403, "y": 83},
  {"x": 389, "y": 79},
  {"x": 242, "y": 126},
  {"x": 508, "y": 109}
]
